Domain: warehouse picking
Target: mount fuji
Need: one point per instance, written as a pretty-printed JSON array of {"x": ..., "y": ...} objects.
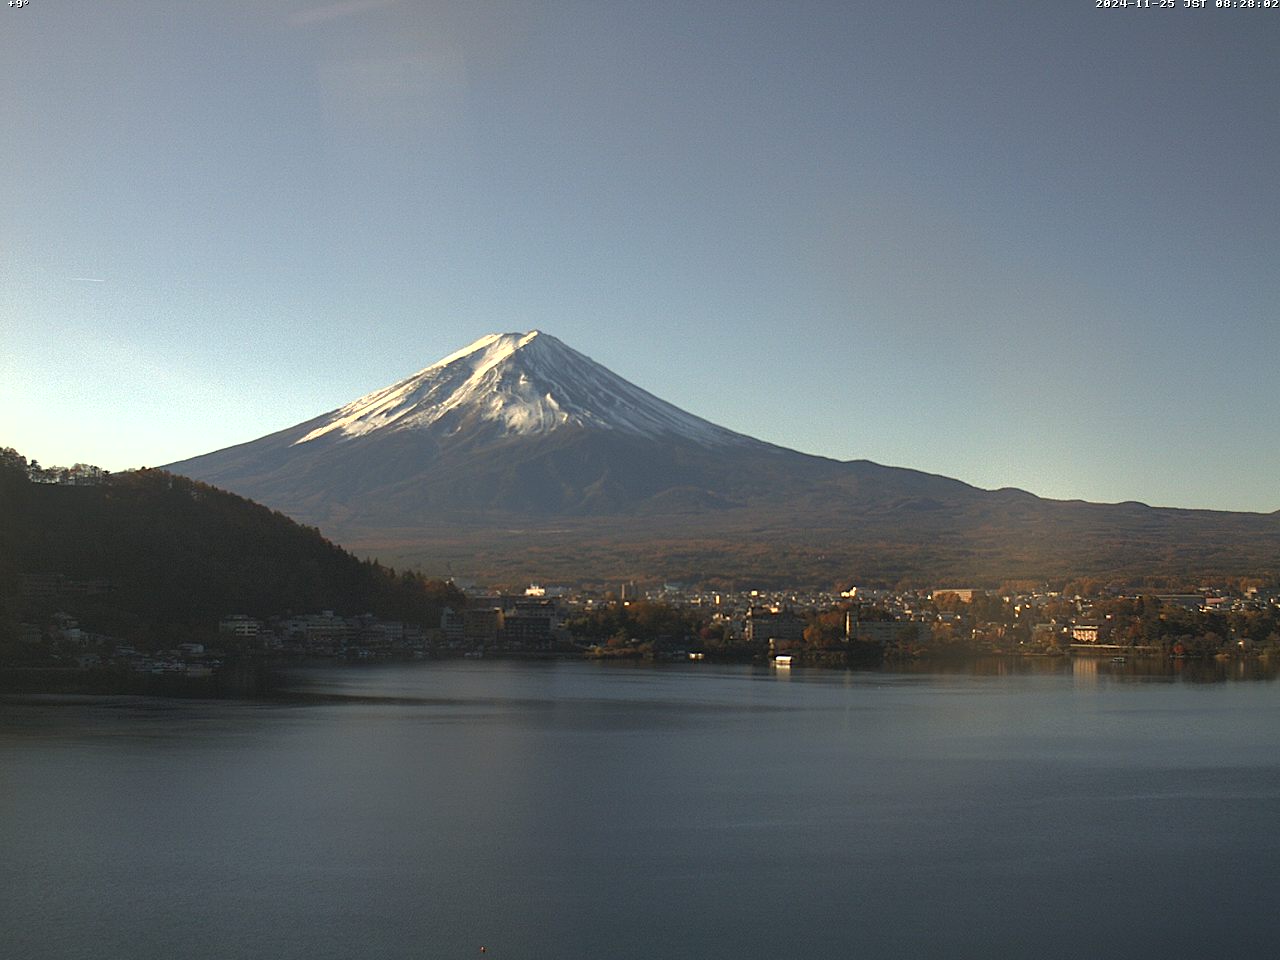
[
  {"x": 517, "y": 456},
  {"x": 513, "y": 385}
]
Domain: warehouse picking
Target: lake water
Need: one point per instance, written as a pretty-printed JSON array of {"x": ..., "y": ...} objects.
[{"x": 586, "y": 810}]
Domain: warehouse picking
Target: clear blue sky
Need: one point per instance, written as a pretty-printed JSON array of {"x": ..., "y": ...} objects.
[{"x": 1023, "y": 244}]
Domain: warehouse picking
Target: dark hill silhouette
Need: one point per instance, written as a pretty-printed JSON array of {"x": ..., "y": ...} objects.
[{"x": 177, "y": 555}]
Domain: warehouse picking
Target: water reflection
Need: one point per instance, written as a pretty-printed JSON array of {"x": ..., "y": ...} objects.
[
  {"x": 1094, "y": 669},
  {"x": 580, "y": 810},
  {"x": 1084, "y": 670}
]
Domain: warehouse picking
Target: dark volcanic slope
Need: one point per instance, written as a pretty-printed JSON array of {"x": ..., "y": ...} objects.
[{"x": 600, "y": 479}]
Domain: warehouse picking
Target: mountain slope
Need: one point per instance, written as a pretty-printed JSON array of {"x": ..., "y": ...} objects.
[
  {"x": 519, "y": 432},
  {"x": 177, "y": 556},
  {"x": 516, "y": 385},
  {"x": 521, "y": 424}
]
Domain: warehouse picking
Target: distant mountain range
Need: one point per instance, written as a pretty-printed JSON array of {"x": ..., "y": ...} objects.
[{"x": 519, "y": 457}]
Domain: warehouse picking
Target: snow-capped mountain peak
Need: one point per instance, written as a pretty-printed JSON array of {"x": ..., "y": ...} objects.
[{"x": 517, "y": 384}]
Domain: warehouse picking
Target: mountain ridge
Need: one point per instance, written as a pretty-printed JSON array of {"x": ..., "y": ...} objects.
[{"x": 518, "y": 431}]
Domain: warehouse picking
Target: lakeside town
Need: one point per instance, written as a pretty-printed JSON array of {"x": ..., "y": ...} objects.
[{"x": 671, "y": 622}]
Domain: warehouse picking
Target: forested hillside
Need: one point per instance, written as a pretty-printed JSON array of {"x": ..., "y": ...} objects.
[{"x": 154, "y": 558}]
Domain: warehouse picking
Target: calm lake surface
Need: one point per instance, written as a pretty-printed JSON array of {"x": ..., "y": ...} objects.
[{"x": 586, "y": 810}]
